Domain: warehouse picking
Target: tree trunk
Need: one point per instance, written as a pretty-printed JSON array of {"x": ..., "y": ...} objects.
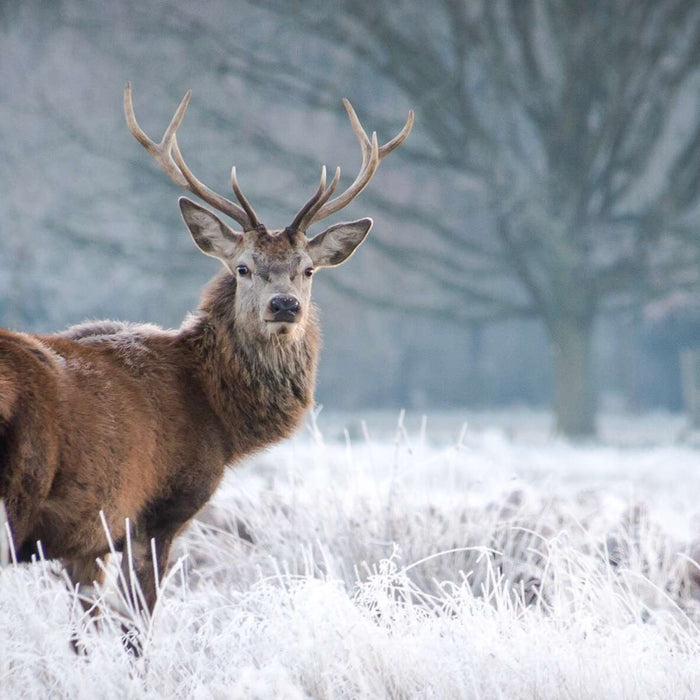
[{"x": 574, "y": 384}]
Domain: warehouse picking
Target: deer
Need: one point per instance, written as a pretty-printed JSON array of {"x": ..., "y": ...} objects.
[{"x": 124, "y": 429}]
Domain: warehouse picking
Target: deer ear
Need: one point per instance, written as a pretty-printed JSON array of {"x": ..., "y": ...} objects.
[
  {"x": 338, "y": 242},
  {"x": 211, "y": 235}
]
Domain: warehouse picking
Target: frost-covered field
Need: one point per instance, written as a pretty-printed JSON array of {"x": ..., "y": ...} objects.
[{"x": 412, "y": 563}]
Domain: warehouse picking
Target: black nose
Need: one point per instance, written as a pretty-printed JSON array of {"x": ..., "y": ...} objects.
[{"x": 284, "y": 308}]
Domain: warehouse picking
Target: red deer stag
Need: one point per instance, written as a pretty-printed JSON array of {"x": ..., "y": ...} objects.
[{"x": 140, "y": 422}]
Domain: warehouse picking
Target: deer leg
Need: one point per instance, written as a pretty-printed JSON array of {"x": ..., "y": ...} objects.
[
  {"x": 141, "y": 576},
  {"x": 25, "y": 480},
  {"x": 85, "y": 573},
  {"x": 141, "y": 573}
]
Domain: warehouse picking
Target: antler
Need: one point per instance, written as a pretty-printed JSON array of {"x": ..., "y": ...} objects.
[
  {"x": 167, "y": 155},
  {"x": 318, "y": 207}
]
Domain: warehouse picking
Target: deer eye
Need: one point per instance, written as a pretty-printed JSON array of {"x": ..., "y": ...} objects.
[
  {"x": 309, "y": 271},
  {"x": 243, "y": 270}
]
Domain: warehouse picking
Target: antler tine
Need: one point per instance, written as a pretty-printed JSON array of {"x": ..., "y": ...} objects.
[
  {"x": 208, "y": 195},
  {"x": 357, "y": 128},
  {"x": 392, "y": 145},
  {"x": 156, "y": 150},
  {"x": 254, "y": 222},
  {"x": 175, "y": 122},
  {"x": 369, "y": 167},
  {"x": 372, "y": 154},
  {"x": 309, "y": 216},
  {"x": 301, "y": 215},
  {"x": 167, "y": 154},
  {"x": 364, "y": 141}
]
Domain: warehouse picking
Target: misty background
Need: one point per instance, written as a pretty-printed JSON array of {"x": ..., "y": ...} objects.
[{"x": 535, "y": 240}]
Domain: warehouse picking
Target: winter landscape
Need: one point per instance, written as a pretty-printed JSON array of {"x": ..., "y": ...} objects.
[
  {"x": 536, "y": 244},
  {"x": 425, "y": 560}
]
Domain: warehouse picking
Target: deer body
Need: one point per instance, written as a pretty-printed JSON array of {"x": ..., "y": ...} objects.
[
  {"x": 169, "y": 409},
  {"x": 139, "y": 422}
]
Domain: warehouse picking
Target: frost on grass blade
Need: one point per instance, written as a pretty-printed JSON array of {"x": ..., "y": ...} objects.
[
  {"x": 562, "y": 571},
  {"x": 4, "y": 536}
]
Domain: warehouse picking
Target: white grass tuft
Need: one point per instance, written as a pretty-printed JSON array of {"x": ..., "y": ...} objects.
[{"x": 494, "y": 569}]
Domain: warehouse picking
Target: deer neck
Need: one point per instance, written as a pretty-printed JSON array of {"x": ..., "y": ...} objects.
[{"x": 259, "y": 387}]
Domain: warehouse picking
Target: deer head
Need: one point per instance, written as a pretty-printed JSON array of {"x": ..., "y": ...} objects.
[{"x": 272, "y": 268}]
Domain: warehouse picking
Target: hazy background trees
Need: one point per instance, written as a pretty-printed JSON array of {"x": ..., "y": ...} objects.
[{"x": 537, "y": 231}]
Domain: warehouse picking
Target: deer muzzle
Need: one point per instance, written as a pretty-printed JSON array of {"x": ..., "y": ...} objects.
[{"x": 283, "y": 308}]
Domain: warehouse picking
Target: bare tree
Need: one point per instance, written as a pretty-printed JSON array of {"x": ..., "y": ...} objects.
[
  {"x": 578, "y": 127},
  {"x": 554, "y": 163}
]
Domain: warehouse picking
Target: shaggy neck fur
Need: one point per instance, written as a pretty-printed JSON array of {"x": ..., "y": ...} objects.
[{"x": 259, "y": 387}]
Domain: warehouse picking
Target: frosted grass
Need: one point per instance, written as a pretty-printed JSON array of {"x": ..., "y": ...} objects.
[{"x": 394, "y": 568}]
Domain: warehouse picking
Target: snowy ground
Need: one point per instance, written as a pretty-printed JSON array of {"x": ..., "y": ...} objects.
[{"x": 425, "y": 561}]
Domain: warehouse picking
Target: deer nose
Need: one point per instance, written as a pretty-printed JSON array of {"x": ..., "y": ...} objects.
[{"x": 284, "y": 307}]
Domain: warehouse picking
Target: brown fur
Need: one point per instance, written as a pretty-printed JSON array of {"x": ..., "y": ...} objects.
[{"x": 140, "y": 423}]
